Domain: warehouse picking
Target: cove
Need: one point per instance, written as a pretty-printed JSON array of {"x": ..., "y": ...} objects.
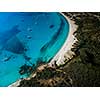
[{"x": 26, "y": 38}]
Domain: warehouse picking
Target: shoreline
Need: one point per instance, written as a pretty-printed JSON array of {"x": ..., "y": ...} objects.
[{"x": 63, "y": 54}]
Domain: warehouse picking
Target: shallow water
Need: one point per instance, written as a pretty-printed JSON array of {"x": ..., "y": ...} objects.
[{"x": 37, "y": 36}]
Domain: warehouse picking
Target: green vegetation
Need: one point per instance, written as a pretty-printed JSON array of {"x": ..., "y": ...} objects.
[
  {"x": 48, "y": 77},
  {"x": 84, "y": 69}
]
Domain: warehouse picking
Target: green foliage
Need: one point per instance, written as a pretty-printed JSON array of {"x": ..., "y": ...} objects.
[{"x": 85, "y": 68}]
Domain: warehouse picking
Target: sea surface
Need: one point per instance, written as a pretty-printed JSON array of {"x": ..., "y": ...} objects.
[{"x": 27, "y": 38}]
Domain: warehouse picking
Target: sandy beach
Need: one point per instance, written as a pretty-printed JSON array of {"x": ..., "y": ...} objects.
[
  {"x": 78, "y": 59},
  {"x": 65, "y": 52}
]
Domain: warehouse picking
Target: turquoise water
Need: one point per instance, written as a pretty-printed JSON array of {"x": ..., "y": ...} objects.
[{"x": 35, "y": 35}]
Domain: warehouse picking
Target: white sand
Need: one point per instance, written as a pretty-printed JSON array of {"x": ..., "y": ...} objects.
[
  {"x": 15, "y": 84},
  {"x": 65, "y": 52}
]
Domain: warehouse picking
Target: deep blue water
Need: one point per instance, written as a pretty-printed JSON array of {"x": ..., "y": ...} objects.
[{"x": 38, "y": 36}]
